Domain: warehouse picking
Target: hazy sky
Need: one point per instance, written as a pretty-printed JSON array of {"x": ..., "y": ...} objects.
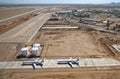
[{"x": 59, "y": 1}]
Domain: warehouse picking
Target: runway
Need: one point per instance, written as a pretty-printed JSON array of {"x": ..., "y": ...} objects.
[
  {"x": 52, "y": 63},
  {"x": 26, "y": 31}
]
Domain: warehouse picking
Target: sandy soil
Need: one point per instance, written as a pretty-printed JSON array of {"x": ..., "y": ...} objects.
[
  {"x": 12, "y": 12},
  {"x": 58, "y": 43},
  {"x": 8, "y": 51},
  {"x": 71, "y": 74}
]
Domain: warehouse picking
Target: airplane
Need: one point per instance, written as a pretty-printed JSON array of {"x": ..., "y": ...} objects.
[
  {"x": 34, "y": 63},
  {"x": 70, "y": 62}
]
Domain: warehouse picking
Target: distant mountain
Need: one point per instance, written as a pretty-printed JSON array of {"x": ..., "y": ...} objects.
[
  {"x": 106, "y": 4},
  {"x": 115, "y": 3},
  {"x": 2, "y": 3}
]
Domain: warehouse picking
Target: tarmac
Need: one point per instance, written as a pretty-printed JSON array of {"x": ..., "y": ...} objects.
[
  {"x": 26, "y": 31},
  {"x": 52, "y": 63}
]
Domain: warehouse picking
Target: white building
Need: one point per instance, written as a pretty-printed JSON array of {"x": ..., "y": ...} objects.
[
  {"x": 35, "y": 51},
  {"x": 24, "y": 51},
  {"x": 37, "y": 46}
]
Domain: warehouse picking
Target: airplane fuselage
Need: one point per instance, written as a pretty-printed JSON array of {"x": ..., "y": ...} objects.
[{"x": 66, "y": 62}]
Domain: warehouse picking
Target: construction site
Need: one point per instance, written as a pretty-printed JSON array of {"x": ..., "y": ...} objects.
[{"x": 60, "y": 42}]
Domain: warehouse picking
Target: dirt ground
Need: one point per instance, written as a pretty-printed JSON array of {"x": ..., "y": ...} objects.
[
  {"x": 12, "y": 12},
  {"x": 71, "y": 74},
  {"x": 8, "y": 51},
  {"x": 58, "y": 43}
]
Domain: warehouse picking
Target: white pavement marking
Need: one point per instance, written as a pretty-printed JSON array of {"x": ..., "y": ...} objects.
[
  {"x": 52, "y": 63},
  {"x": 59, "y": 27}
]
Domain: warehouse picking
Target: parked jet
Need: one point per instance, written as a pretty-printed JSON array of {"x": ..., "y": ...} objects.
[
  {"x": 70, "y": 62},
  {"x": 34, "y": 63}
]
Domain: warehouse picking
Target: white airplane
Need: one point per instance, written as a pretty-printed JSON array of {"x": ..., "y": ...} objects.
[
  {"x": 34, "y": 63},
  {"x": 70, "y": 62}
]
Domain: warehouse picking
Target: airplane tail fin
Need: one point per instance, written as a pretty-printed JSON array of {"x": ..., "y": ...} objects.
[
  {"x": 70, "y": 58},
  {"x": 43, "y": 60},
  {"x": 78, "y": 59}
]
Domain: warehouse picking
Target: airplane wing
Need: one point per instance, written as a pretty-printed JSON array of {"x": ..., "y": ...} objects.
[
  {"x": 70, "y": 64},
  {"x": 70, "y": 58},
  {"x": 33, "y": 65}
]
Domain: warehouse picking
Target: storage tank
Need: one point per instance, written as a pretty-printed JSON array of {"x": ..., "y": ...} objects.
[
  {"x": 35, "y": 51},
  {"x": 37, "y": 46},
  {"x": 24, "y": 51}
]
